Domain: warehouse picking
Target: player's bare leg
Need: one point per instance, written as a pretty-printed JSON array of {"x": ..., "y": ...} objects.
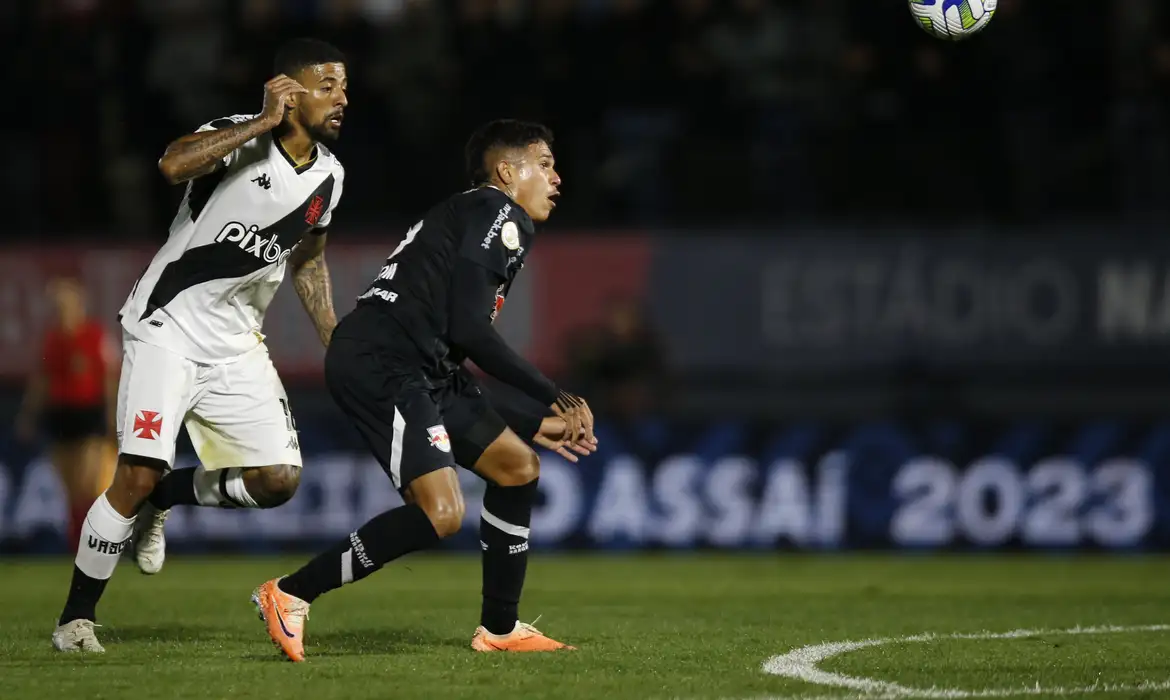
[
  {"x": 239, "y": 487},
  {"x": 434, "y": 510},
  {"x": 511, "y": 469}
]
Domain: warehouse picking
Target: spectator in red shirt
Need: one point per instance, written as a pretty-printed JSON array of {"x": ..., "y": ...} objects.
[{"x": 71, "y": 395}]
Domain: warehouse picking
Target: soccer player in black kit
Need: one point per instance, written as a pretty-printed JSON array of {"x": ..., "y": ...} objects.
[{"x": 395, "y": 367}]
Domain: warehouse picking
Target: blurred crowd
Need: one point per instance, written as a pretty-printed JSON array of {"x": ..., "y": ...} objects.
[{"x": 667, "y": 112}]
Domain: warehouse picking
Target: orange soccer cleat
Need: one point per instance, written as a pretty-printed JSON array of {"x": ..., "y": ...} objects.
[
  {"x": 284, "y": 616},
  {"x": 523, "y": 637}
]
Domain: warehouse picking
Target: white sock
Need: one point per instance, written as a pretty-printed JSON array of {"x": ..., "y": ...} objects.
[
  {"x": 103, "y": 537},
  {"x": 222, "y": 488}
]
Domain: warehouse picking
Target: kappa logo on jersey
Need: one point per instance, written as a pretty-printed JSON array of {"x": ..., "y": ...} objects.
[
  {"x": 439, "y": 439},
  {"x": 147, "y": 425},
  {"x": 250, "y": 241},
  {"x": 497, "y": 225},
  {"x": 263, "y": 180},
  {"x": 315, "y": 210}
]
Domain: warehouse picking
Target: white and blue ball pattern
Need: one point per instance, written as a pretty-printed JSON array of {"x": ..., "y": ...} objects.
[{"x": 953, "y": 20}]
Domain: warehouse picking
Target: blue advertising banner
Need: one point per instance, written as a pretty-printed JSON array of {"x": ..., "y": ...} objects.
[{"x": 656, "y": 485}]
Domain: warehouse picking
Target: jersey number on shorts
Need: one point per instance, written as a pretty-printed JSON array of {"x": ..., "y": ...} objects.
[{"x": 289, "y": 422}]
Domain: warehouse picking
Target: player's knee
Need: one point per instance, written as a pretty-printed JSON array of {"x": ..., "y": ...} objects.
[
  {"x": 445, "y": 514},
  {"x": 522, "y": 469},
  {"x": 134, "y": 479},
  {"x": 274, "y": 485}
]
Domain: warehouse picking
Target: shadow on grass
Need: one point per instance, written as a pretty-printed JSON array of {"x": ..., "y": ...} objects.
[
  {"x": 364, "y": 641},
  {"x": 381, "y": 640},
  {"x": 165, "y": 633}
]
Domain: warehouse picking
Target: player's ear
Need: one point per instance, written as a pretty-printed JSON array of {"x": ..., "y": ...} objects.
[{"x": 505, "y": 172}]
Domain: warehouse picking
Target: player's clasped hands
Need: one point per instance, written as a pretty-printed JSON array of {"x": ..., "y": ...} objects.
[
  {"x": 278, "y": 94},
  {"x": 570, "y": 430}
]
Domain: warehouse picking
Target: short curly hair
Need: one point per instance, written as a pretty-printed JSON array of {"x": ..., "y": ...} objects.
[{"x": 296, "y": 54}]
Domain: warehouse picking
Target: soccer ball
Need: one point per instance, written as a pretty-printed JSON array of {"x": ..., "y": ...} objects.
[{"x": 953, "y": 20}]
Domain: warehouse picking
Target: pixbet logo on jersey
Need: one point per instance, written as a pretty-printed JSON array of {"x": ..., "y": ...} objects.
[{"x": 249, "y": 239}]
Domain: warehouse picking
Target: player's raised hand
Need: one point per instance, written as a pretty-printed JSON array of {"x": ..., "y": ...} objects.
[{"x": 278, "y": 94}]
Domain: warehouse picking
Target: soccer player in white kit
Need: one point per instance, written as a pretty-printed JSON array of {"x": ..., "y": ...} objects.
[{"x": 260, "y": 195}]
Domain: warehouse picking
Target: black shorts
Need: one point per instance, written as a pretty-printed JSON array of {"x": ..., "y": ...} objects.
[
  {"x": 414, "y": 424},
  {"x": 70, "y": 423}
]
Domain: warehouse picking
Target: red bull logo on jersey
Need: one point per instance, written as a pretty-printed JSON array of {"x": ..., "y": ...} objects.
[
  {"x": 252, "y": 240},
  {"x": 438, "y": 438},
  {"x": 499, "y": 305}
]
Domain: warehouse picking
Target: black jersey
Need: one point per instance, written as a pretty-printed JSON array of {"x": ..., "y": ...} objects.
[{"x": 442, "y": 287}]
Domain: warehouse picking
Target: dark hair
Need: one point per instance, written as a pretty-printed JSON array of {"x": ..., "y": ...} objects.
[
  {"x": 501, "y": 133},
  {"x": 296, "y": 54}
]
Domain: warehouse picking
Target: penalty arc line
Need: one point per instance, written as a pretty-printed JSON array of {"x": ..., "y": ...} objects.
[{"x": 802, "y": 664}]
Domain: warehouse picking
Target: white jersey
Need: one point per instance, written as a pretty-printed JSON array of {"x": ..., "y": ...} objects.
[{"x": 205, "y": 293}]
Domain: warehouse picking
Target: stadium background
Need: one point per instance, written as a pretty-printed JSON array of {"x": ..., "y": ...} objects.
[{"x": 829, "y": 283}]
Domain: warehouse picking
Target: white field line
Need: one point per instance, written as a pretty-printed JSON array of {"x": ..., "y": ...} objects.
[{"x": 802, "y": 664}]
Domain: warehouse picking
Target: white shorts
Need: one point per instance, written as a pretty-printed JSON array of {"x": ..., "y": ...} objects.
[{"x": 236, "y": 414}]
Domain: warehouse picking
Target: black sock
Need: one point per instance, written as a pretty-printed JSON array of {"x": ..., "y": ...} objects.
[
  {"x": 503, "y": 535},
  {"x": 382, "y": 540},
  {"x": 176, "y": 488},
  {"x": 84, "y": 593}
]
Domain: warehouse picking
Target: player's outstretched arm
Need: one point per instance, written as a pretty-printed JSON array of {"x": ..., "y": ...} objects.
[
  {"x": 311, "y": 280},
  {"x": 201, "y": 153},
  {"x": 473, "y": 296}
]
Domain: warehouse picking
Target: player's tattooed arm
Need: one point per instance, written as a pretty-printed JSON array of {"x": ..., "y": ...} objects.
[
  {"x": 202, "y": 153},
  {"x": 311, "y": 280}
]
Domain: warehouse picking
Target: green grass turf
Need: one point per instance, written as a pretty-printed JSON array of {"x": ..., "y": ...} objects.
[{"x": 648, "y": 627}]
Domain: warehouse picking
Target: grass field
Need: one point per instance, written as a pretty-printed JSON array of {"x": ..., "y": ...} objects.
[{"x": 647, "y": 627}]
